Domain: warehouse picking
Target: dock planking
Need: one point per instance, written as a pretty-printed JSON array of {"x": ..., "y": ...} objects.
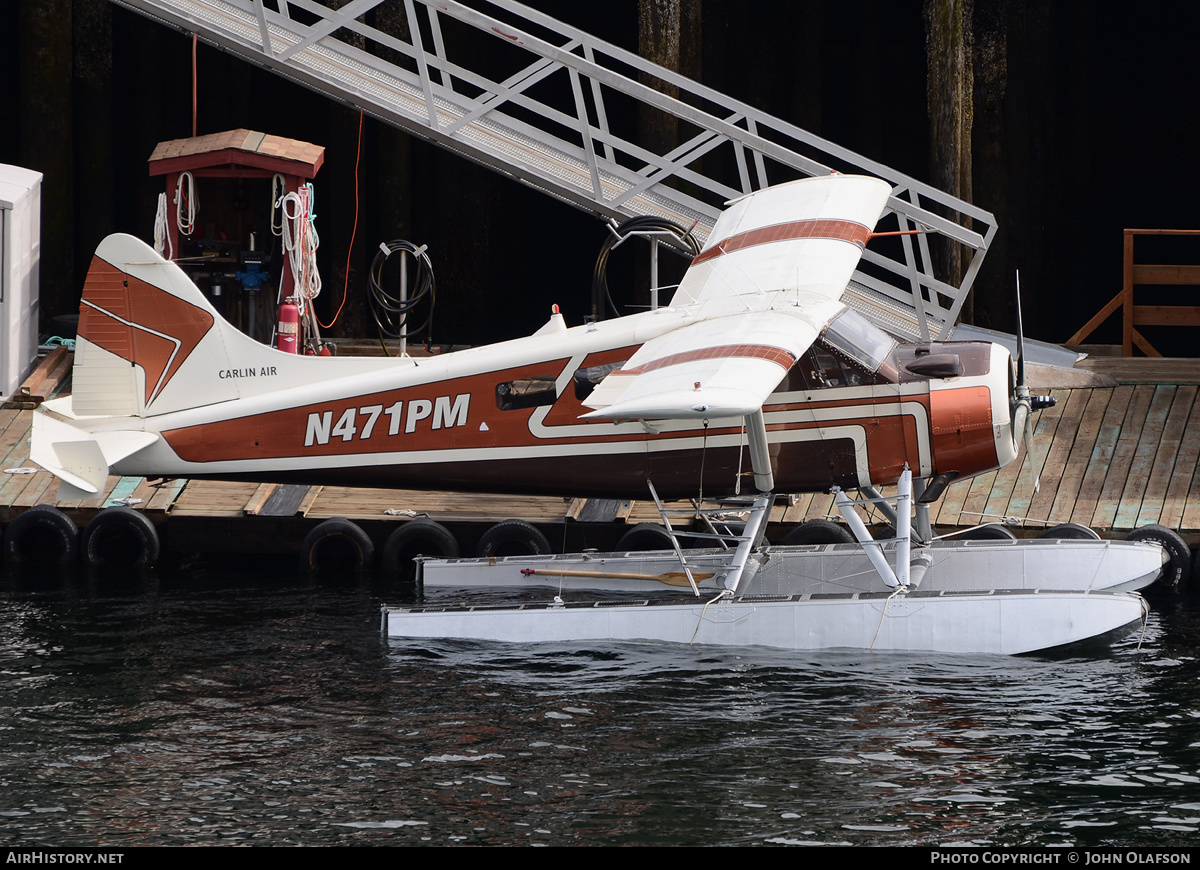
[
  {"x": 1166, "y": 456},
  {"x": 1057, "y": 454},
  {"x": 1075, "y": 469},
  {"x": 1102, "y": 452},
  {"x": 1175, "y": 501},
  {"x": 1029, "y": 472},
  {"x": 1117, "y": 471},
  {"x": 1142, "y": 460}
]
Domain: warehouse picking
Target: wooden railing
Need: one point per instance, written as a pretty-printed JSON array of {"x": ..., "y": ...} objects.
[{"x": 1134, "y": 316}]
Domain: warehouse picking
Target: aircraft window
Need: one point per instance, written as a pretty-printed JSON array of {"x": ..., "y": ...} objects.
[
  {"x": 822, "y": 370},
  {"x": 587, "y": 379},
  {"x": 826, "y": 371},
  {"x": 525, "y": 393},
  {"x": 859, "y": 339}
]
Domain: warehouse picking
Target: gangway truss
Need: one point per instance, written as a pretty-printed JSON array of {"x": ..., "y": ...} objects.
[{"x": 546, "y": 123}]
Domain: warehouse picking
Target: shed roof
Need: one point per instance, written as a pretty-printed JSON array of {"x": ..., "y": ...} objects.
[{"x": 238, "y": 149}]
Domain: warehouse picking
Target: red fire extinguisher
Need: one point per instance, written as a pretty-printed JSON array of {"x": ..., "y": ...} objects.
[{"x": 289, "y": 326}]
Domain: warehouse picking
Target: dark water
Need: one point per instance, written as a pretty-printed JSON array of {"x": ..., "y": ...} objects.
[{"x": 218, "y": 708}]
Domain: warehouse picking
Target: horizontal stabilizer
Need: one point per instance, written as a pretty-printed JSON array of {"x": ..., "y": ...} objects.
[
  {"x": 81, "y": 459},
  {"x": 79, "y": 463},
  {"x": 69, "y": 492}
]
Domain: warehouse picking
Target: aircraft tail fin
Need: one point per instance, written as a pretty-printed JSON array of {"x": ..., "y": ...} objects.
[{"x": 149, "y": 340}]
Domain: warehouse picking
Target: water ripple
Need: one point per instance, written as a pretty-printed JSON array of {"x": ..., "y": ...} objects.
[{"x": 233, "y": 709}]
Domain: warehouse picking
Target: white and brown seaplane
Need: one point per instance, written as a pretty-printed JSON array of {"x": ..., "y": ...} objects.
[{"x": 756, "y": 376}]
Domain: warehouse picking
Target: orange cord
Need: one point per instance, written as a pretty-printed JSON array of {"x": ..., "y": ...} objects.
[
  {"x": 353, "y": 232},
  {"x": 194, "y": 88}
]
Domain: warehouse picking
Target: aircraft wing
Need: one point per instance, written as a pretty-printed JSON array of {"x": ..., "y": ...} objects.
[
  {"x": 756, "y": 298},
  {"x": 720, "y": 366},
  {"x": 804, "y": 235}
]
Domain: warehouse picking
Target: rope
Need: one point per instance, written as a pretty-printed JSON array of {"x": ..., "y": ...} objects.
[
  {"x": 724, "y": 593},
  {"x": 1145, "y": 623},
  {"x": 900, "y": 590},
  {"x": 300, "y": 241},
  {"x": 162, "y": 238},
  {"x": 278, "y": 189},
  {"x": 737, "y": 480},
  {"x": 185, "y": 198}
]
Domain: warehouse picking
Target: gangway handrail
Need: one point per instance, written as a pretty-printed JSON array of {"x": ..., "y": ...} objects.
[
  {"x": 567, "y": 149},
  {"x": 1132, "y": 315}
]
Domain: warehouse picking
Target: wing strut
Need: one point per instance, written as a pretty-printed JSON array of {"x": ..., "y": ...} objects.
[{"x": 760, "y": 455}]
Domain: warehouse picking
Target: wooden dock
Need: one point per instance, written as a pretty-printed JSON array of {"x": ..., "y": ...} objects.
[{"x": 1111, "y": 458}]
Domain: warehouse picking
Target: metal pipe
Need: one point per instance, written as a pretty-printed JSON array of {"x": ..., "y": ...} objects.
[
  {"x": 870, "y": 546},
  {"x": 903, "y": 525}
]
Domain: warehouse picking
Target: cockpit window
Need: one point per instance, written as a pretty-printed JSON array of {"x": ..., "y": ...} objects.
[
  {"x": 526, "y": 393},
  {"x": 818, "y": 369},
  {"x": 859, "y": 339},
  {"x": 587, "y": 379}
]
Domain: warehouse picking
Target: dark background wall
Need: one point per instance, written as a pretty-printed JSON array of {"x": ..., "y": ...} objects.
[{"x": 1071, "y": 123}]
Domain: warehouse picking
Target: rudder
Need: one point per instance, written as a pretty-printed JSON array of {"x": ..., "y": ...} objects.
[{"x": 140, "y": 321}]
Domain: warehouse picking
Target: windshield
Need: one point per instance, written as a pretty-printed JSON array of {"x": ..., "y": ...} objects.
[{"x": 859, "y": 339}]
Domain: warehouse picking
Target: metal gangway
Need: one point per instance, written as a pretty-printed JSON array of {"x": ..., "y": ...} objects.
[{"x": 546, "y": 124}]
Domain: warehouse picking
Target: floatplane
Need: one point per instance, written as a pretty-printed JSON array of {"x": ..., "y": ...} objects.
[{"x": 756, "y": 379}]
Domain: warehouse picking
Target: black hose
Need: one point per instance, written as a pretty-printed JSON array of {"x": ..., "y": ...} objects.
[
  {"x": 602, "y": 303},
  {"x": 391, "y": 313}
]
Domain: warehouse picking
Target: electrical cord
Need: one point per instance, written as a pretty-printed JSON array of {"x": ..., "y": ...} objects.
[
  {"x": 391, "y": 311},
  {"x": 642, "y": 224}
]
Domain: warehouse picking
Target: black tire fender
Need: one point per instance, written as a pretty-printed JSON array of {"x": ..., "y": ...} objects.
[
  {"x": 1177, "y": 572},
  {"x": 818, "y": 532},
  {"x": 512, "y": 538},
  {"x": 336, "y": 533},
  {"x": 120, "y": 536},
  {"x": 420, "y": 537},
  {"x": 1070, "y": 532},
  {"x": 644, "y": 537},
  {"x": 988, "y": 532},
  {"x": 42, "y": 534}
]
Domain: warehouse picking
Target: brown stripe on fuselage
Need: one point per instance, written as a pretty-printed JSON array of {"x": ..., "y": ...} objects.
[
  {"x": 281, "y": 434},
  {"x": 811, "y": 465},
  {"x": 890, "y": 433}
]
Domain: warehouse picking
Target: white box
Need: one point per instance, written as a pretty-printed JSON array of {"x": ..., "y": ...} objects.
[{"x": 20, "y": 257}]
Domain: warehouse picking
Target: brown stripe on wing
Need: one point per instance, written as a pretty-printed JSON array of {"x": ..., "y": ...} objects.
[
  {"x": 838, "y": 230},
  {"x": 777, "y": 355}
]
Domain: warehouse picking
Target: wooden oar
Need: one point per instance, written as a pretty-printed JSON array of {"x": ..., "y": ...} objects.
[{"x": 671, "y": 578}]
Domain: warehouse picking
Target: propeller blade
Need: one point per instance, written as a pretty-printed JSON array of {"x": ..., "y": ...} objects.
[{"x": 1020, "y": 339}]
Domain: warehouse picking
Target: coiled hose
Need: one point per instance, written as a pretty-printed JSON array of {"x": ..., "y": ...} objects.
[
  {"x": 643, "y": 224},
  {"x": 391, "y": 311}
]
